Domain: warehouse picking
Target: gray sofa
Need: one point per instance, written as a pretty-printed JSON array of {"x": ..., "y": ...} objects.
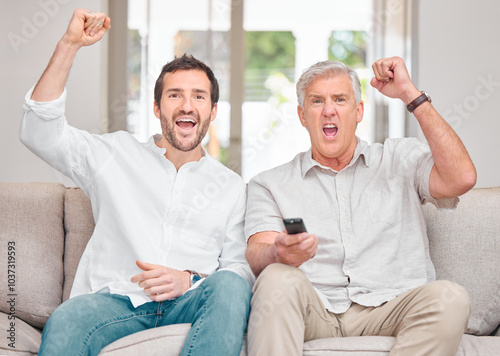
[{"x": 44, "y": 228}]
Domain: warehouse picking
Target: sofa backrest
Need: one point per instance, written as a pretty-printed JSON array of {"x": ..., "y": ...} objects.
[
  {"x": 78, "y": 225},
  {"x": 50, "y": 226},
  {"x": 465, "y": 248},
  {"x": 31, "y": 229}
]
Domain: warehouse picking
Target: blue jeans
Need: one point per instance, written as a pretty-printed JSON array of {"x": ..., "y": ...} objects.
[{"x": 218, "y": 311}]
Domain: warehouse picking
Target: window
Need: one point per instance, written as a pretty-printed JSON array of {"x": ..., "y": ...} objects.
[{"x": 282, "y": 37}]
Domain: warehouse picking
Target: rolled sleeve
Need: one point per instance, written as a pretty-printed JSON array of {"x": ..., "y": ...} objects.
[
  {"x": 425, "y": 163},
  {"x": 263, "y": 213}
]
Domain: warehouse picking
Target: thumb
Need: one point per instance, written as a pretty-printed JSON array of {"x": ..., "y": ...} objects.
[
  {"x": 377, "y": 84},
  {"x": 144, "y": 265}
]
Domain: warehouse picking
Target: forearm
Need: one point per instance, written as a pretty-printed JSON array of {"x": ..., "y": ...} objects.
[
  {"x": 53, "y": 80},
  {"x": 259, "y": 256},
  {"x": 453, "y": 173}
]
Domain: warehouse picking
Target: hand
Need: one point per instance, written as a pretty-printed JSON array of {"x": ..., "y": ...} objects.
[
  {"x": 86, "y": 27},
  {"x": 392, "y": 79},
  {"x": 161, "y": 283},
  {"x": 296, "y": 249}
]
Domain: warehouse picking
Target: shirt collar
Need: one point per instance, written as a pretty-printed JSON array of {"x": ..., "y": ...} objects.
[{"x": 362, "y": 150}]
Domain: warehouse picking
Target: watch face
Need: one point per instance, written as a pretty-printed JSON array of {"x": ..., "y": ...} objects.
[{"x": 195, "y": 278}]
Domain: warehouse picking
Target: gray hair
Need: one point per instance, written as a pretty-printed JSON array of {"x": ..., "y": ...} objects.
[{"x": 327, "y": 69}]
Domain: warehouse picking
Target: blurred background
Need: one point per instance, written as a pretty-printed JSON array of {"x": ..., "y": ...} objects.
[{"x": 257, "y": 50}]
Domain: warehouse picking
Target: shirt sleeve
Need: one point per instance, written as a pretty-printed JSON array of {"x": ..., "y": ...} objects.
[
  {"x": 415, "y": 158},
  {"x": 263, "y": 213},
  {"x": 45, "y": 131},
  {"x": 232, "y": 257}
]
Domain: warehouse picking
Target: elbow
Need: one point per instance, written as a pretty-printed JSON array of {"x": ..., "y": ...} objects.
[
  {"x": 467, "y": 181},
  {"x": 470, "y": 179}
]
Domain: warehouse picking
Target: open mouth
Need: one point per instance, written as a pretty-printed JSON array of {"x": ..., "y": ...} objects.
[
  {"x": 185, "y": 123},
  {"x": 330, "y": 130}
]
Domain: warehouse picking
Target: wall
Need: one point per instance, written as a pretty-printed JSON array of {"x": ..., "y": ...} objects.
[
  {"x": 30, "y": 30},
  {"x": 458, "y": 59}
]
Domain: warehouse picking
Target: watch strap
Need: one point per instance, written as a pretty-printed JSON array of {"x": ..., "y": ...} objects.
[
  {"x": 418, "y": 101},
  {"x": 194, "y": 276}
]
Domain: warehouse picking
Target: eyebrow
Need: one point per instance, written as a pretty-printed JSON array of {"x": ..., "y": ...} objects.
[
  {"x": 179, "y": 90},
  {"x": 320, "y": 96}
]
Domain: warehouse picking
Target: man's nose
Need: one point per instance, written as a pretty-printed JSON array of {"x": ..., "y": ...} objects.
[
  {"x": 329, "y": 108},
  {"x": 186, "y": 104}
]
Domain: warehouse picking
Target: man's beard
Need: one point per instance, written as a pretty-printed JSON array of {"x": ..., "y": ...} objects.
[{"x": 168, "y": 130}]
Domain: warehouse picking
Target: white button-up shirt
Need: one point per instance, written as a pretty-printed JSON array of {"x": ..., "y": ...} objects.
[
  {"x": 367, "y": 217},
  {"x": 144, "y": 209}
]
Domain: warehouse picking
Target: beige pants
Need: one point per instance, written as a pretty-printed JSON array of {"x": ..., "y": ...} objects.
[{"x": 286, "y": 312}]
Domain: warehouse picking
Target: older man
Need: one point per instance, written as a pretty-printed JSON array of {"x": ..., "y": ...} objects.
[
  {"x": 168, "y": 245},
  {"x": 362, "y": 267}
]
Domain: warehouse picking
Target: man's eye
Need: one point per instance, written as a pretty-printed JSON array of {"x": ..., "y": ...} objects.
[
  {"x": 199, "y": 97},
  {"x": 317, "y": 101},
  {"x": 174, "y": 96},
  {"x": 339, "y": 100}
]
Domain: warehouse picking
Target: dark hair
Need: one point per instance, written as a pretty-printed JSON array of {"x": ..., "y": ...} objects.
[{"x": 187, "y": 62}]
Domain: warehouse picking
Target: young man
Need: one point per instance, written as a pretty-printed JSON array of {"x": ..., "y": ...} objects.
[
  {"x": 168, "y": 245},
  {"x": 363, "y": 266}
]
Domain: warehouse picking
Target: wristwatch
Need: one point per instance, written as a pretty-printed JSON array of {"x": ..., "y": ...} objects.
[
  {"x": 418, "y": 101},
  {"x": 195, "y": 277}
]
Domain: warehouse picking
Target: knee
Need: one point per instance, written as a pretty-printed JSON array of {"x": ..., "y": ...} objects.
[
  {"x": 228, "y": 285},
  {"x": 281, "y": 276},
  {"x": 279, "y": 282},
  {"x": 452, "y": 295},
  {"x": 452, "y": 301}
]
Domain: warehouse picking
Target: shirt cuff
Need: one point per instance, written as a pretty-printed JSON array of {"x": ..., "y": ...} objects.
[{"x": 49, "y": 110}]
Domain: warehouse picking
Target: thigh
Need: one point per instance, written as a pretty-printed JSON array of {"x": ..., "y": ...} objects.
[
  {"x": 422, "y": 303},
  {"x": 284, "y": 296},
  {"x": 223, "y": 292},
  {"x": 85, "y": 324}
]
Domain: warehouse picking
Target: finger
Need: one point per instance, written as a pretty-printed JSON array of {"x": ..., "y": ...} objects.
[
  {"x": 383, "y": 70},
  {"x": 161, "y": 297},
  {"x": 146, "y": 266},
  {"x": 377, "y": 84},
  {"x": 289, "y": 240},
  {"x": 94, "y": 22},
  {"x": 307, "y": 243},
  {"x": 151, "y": 271}
]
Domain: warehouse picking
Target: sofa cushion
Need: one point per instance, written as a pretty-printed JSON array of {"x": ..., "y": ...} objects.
[
  {"x": 79, "y": 225},
  {"x": 464, "y": 247},
  {"x": 478, "y": 345},
  {"x": 31, "y": 216},
  {"x": 27, "y": 339},
  {"x": 352, "y": 346},
  {"x": 162, "y": 341}
]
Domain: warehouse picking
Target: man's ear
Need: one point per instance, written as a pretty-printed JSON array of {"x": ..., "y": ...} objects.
[
  {"x": 213, "y": 113},
  {"x": 156, "y": 110},
  {"x": 300, "y": 112},
  {"x": 360, "y": 109}
]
